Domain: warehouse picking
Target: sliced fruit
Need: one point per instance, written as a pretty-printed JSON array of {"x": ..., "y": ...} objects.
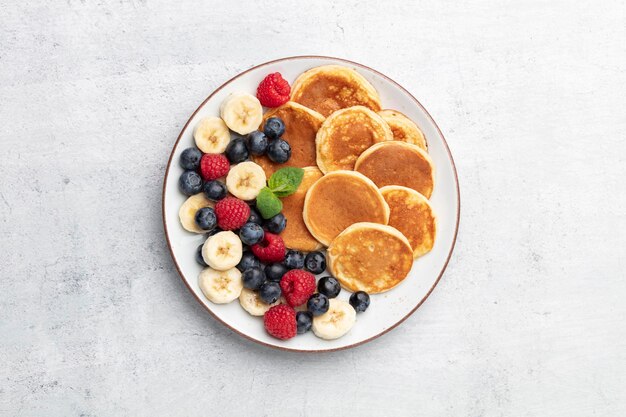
[
  {"x": 187, "y": 212},
  {"x": 336, "y": 322},
  {"x": 242, "y": 112},
  {"x": 211, "y": 135},
  {"x": 246, "y": 180},
  {"x": 222, "y": 251},
  {"x": 220, "y": 287},
  {"x": 252, "y": 303}
]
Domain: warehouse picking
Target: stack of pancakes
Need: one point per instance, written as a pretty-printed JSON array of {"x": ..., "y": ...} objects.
[{"x": 368, "y": 178}]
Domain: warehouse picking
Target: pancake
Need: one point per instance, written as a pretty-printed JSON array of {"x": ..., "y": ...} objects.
[
  {"x": 340, "y": 199},
  {"x": 296, "y": 235},
  {"x": 345, "y": 134},
  {"x": 398, "y": 163},
  {"x": 301, "y": 125},
  {"x": 413, "y": 216},
  {"x": 329, "y": 88},
  {"x": 403, "y": 128},
  {"x": 370, "y": 257}
]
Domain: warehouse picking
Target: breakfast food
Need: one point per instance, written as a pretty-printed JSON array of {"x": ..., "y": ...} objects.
[
  {"x": 339, "y": 199},
  {"x": 329, "y": 88},
  {"x": 411, "y": 214},
  {"x": 345, "y": 134},
  {"x": 403, "y": 128},
  {"x": 306, "y": 174},
  {"x": 398, "y": 163},
  {"x": 295, "y": 233},
  {"x": 300, "y": 127},
  {"x": 370, "y": 257}
]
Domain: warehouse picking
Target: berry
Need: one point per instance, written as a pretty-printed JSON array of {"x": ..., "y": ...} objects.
[
  {"x": 236, "y": 151},
  {"x": 248, "y": 260},
  {"x": 280, "y": 321},
  {"x": 257, "y": 143},
  {"x": 273, "y": 91},
  {"x": 206, "y": 219},
  {"x": 329, "y": 286},
  {"x": 315, "y": 262},
  {"x": 294, "y": 259},
  {"x": 215, "y": 190},
  {"x": 232, "y": 213},
  {"x": 213, "y": 166},
  {"x": 215, "y": 231},
  {"x": 270, "y": 249},
  {"x": 253, "y": 278},
  {"x": 270, "y": 292},
  {"x": 255, "y": 217},
  {"x": 304, "y": 321},
  {"x": 279, "y": 151},
  {"x": 251, "y": 233},
  {"x": 276, "y": 224},
  {"x": 190, "y": 183},
  {"x": 360, "y": 300},
  {"x": 190, "y": 159},
  {"x": 199, "y": 257},
  {"x": 318, "y": 304},
  {"x": 275, "y": 272},
  {"x": 297, "y": 286},
  {"x": 274, "y": 127}
]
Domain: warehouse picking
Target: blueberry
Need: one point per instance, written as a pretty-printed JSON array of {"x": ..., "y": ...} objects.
[
  {"x": 329, "y": 286},
  {"x": 304, "y": 320},
  {"x": 253, "y": 278},
  {"x": 248, "y": 260},
  {"x": 318, "y": 304},
  {"x": 236, "y": 151},
  {"x": 190, "y": 159},
  {"x": 360, "y": 300},
  {"x": 199, "y": 257},
  {"x": 276, "y": 224},
  {"x": 275, "y": 272},
  {"x": 294, "y": 259},
  {"x": 279, "y": 151},
  {"x": 190, "y": 183},
  {"x": 315, "y": 262},
  {"x": 255, "y": 217},
  {"x": 215, "y": 190},
  {"x": 216, "y": 230},
  {"x": 251, "y": 233},
  {"x": 257, "y": 143},
  {"x": 270, "y": 292},
  {"x": 206, "y": 218},
  {"x": 274, "y": 128}
]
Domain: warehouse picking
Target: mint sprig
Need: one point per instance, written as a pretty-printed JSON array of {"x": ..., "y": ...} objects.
[{"x": 282, "y": 183}]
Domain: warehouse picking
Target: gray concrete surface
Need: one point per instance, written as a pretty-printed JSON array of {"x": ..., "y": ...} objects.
[{"x": 529, "y": 319}]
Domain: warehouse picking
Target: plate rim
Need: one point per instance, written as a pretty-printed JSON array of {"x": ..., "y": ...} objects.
[{"x": 289, "y": 349}]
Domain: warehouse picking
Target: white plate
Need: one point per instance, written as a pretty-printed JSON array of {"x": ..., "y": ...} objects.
[{"x": 387, "y": 310}]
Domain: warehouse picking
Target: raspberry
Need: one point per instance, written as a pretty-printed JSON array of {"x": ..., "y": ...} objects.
[
  {"x": 213, "y": 166},
  {"x": 273, "y": 91},
  {"x": 280, "y": 321},
  {"x": 271, "y": 249},
  {"x": 297, "y": 285},
  {"x": 232, "y": 213}
]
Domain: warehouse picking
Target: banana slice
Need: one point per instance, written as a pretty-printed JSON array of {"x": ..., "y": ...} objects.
[
  {"x": 220, "y": 287},
  {"x": 187, "y": 212},
  {"x": 211, "y": 135},
  {"x": 252, "y": 303},
  {"x": 222, "y": 251},
  {"x": 242, "y": 112},
  {"x": 336, "y": 322},
  {"x": 245, "y": 180}
]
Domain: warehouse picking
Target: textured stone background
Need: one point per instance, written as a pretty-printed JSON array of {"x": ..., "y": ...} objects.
[{"x": 529, "y": 318}]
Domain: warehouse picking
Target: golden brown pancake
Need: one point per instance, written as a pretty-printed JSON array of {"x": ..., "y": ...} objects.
[
  {"x": 370, "y": 257},
  {"x": 296, "y": 235},
  {"x": 403, "y": 128},
  {"x": 339, "y": 199},
  {"x": 329, "y": 88},
  {"x": 398, "y": 163},
  {"x": 301, "y": 125},
  {"x": 345, "y": 134},
  {"x": 411, "y": 214}
]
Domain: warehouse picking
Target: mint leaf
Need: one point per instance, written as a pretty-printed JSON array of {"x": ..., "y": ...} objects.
[
  {"x": 268, "y": 204},
  {"x": 286, "y": 181}
]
